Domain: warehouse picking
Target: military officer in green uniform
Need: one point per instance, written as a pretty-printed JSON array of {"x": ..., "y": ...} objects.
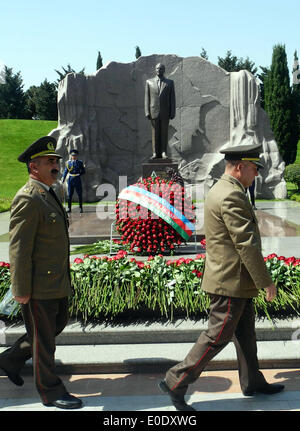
[
  {"x": 40, "y": 275},
  {"x": 234, "y": 272}
]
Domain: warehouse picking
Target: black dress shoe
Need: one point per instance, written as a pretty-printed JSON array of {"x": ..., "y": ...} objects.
[
  {"x": 268, "y": 389},
  {"x": 177, "y": 401},
  {"x": 67, "y": 401},
  {"x": 14, "y": 377}
]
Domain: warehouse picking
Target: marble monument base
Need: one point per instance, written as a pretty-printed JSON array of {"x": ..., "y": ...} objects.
[{"x": 158, "y": 167}]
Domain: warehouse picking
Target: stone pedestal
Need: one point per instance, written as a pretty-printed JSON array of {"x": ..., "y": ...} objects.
[{"x": 158, "y": 166}]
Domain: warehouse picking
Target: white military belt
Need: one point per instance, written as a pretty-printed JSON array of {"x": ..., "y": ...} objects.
[{"x": 74, "y": 175}]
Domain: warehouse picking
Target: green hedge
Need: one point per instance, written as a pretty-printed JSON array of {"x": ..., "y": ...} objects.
[{"x": 292, "y": 175}]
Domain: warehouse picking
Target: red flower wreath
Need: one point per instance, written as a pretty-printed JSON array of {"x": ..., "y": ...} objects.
[{"x": 145, "y": 232}]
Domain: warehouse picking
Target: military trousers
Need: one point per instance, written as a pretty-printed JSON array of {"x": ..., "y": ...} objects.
[
  {"x": 44, "y": 320},
  {"x": 74, "y": 184},
  {"x": 230, "y": 319},
  {"x": 160, "y": 128}
]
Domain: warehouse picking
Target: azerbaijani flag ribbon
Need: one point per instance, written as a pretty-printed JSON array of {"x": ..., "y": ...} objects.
[{"x": 160, "y": 207}]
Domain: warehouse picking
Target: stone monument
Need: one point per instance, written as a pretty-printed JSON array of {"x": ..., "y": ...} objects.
[{"x": 103, "y": 116}]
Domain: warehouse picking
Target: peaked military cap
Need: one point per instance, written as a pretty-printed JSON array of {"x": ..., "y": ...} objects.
[
  {"x": 74, "y": 152},
  {"x": 44, "y": 146},
  {"x": 245, "y": 153}
]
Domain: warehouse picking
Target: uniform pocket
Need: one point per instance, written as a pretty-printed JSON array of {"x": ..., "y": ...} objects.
[{"x": 51, "y": 218}]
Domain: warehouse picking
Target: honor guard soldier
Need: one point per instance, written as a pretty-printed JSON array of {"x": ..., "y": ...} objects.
[
  {"x": 40, "y": 274},
  {"x": 75, "y": 169},
  {"x": 234, "y": 273}
]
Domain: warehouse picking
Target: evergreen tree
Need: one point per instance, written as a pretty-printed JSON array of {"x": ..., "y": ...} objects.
[
  {"x": 296, "y": 71},
  {"x": 296, "y": 97},
  {"x": 41, "y": 102},
  {"x": 137, "y": 52},
  {"x": 231, "y": 63},
  {"x": 2, "y": 74},
  {"x": 262, "y": 76},
  {"x": 99, "y": 61},
  {"x": 65, "y": 72},
  {"x": 12, "y": 99},
  {"x": 30, "y": 107},
  {"x": 247, "y": 65},
  {"x": 203, "y": 53},
  {"x": 46, "y": 101},
  {"x": 279, "y": 105}
]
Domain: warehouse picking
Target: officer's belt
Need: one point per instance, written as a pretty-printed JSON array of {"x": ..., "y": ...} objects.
[{"x": 74, "y": 175}]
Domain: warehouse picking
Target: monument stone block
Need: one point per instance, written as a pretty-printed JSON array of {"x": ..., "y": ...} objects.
[{"x": 102, "y": 116}]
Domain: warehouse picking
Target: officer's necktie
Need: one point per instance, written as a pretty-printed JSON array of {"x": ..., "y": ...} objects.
[{"x": 52, "y": 192}]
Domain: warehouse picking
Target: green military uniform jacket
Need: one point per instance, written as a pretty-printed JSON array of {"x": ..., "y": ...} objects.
[
  {"x": 39, "y": 244},
  {"x": 234, "y": 263}
]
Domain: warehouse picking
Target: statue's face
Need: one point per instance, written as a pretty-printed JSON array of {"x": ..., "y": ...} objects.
[{"x": 160, "y": 70}]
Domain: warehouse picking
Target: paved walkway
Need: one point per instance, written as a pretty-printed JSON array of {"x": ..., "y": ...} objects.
[{"x": 213, "y": 391}]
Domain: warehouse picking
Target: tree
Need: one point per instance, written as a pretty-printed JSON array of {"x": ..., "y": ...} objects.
[
  {"x": 262, "y": 76},
  {"x": 30, "y": 107},
  {"x": 2, "y": 74},
  {"x": 279, "y": 105},
  {"x": 12, "y": 99},
  {"x": 99, "y": 61},
  {"x": 65, "y": 72},
  {"x": 41, "y": 102},
  {"x": 231, "y": 63},
  {"x": 296, "y": 97},
  {"x": 45, "y": 99},
  {"x": 296, "y": 71},
  {"x": 247, "y": 65},
  {"x": 203, "y": 53},
  {"x": 137, "y": 52}
]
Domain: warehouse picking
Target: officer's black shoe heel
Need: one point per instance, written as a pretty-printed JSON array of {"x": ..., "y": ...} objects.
[
  {"x": 268, "y": 389},
  {"x": 177, "y": 401},
  {"x": 14, "y": 377}
]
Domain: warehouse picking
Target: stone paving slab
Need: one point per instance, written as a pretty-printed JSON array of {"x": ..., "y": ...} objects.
[{"x": 213, "y": 391}]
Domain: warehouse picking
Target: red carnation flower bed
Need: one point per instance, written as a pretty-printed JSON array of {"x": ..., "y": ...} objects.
[{"x": 143, "y": 231}]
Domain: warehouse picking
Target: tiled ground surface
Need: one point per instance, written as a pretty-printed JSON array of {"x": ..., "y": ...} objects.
[{"x": 214, "y": 390}]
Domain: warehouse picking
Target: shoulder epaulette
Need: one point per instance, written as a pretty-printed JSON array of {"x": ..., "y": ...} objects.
[{"x": 27, "y": 189}]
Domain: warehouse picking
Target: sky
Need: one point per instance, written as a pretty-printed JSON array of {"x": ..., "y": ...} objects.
[{"x": 37, "y": 37}]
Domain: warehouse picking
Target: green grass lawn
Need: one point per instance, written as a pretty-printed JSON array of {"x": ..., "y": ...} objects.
[{"x": 15, "y": 137}]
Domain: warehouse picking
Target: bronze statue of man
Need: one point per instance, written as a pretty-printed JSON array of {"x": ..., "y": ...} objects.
[{"x": 159, "y": 109}]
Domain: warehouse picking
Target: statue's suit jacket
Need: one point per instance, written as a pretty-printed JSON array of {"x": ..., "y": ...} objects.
[
  {"x": 39, "y": 245},
  {"x": 160, "y": 102},
  {"x": 234, "y": 265}
]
